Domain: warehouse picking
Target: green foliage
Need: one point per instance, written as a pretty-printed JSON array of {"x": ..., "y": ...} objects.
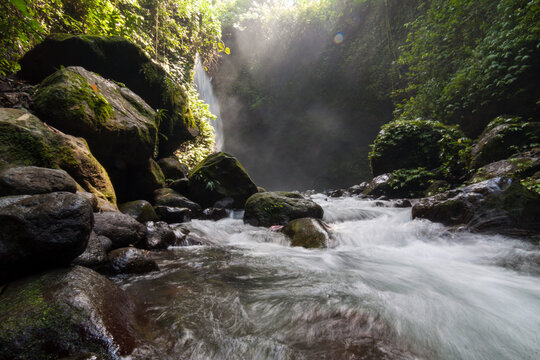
[
  {"x": 194, "y": 151},
  {"x": 469, "y": 60},
  {"x": 532, "y": 183},
  {"x": 170, "y": 31},
  {"x": 410, "y": 182}
]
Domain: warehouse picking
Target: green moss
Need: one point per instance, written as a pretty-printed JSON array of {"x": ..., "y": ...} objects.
[{"x": 18, "y": 146}]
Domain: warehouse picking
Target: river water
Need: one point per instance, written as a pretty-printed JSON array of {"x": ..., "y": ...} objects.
[{"x": 388, "y": 288}]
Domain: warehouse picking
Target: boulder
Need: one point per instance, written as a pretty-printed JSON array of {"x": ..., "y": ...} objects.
[
  {"x": 159, "y": 235},
  {"x": 400, "y": 183},
  {"x": 164, "y": 197},
  {"x": 278, "y": 208},
  {"x": 437, "y": 187},
  {"x": 29, "y": 180},
  {"x": 67, "y": 312},
  {"x": 118, "y": 125},
  {"x": 43, "y": 231},
  {"x": 358, "y": 189},
  {"x": 26, "y": 140},
  {"x": 499, "y": 205},
  {"x": 416, "y": 144},
  {"x": 181, "y": 186},
  {"x": 518, "y": 167},
  {"x": 172, "y": 168},
  {"x": 140, "y": 210},
  {"x": 308, "y": 233},
  {"x": 173, "y": 215},
  {"x": 504, "y": 137},
  {"x": 122, "y": 229},
  {"x": 117, "y": 59},
  {"x": 90, "y": 197},
  {"x": 95, "y": 254},
  {"x": 215, "y": 213},
  {"x": 131, "y": 260},
  {"x": 219, "y": 176}
]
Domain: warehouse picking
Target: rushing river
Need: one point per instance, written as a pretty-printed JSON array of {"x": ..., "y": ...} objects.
[{"x": 389, "y": 288}]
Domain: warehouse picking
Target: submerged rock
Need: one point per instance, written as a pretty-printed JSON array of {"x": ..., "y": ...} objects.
[
  {"x": 43, "y": 231},
  {"x": 278, "y": 208},
  {"x": 122, "y": 229},
  {"x": 118, "y": 125},
  {"x": 140, "y": 210},
  {"x": 118, "y": 59},
  {"x": 308, "y": 233},
  {"x": 498, "y": 205},
  {"x": 504, "y": 137},
  {"x": 220, "y": 176},
  {"x": 26, "y": 140},
  {"x": 65, "y": 313},
  {"x": 29, "y": 180},
  {"x": 131, "y": 261}
]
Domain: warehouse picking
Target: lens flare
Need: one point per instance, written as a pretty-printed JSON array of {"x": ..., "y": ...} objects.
[{"x": 338, "y": 38}]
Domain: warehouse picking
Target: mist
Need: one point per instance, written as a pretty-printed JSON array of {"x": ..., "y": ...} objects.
[{"x": 303, "y": 97}]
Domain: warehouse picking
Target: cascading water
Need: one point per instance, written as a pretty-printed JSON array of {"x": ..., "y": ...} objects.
[
  {"x": 389, "y": 288},
  {"x": 206, "y": 93}
]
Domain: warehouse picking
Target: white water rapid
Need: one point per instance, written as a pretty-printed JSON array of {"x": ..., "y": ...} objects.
[
  {"x": 389, "y": 288},
  {"x": 206, "y": 93}
]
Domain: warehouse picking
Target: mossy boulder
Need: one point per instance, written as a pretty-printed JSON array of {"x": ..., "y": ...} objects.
[
  {"x": 308, "y": 233},
  {"x": 26, "y": 140},
  {"x": 278, "y": 208},
  {"x": 504, "y": 137},
  {"x": 518, "y": 167},
  {"x": 67, "y": 312},
  {"x": 220, "y": 176},
  {"x": 120, "y": 60},
  {"x": 118, "y": 125},
  {"x": 410, "y": 183},
  {"x": 140, "y": 210},
  {"x": 499, "y": 205},
  {"x": 417, "y": 144},
  {"x": 172, "y": 168}
]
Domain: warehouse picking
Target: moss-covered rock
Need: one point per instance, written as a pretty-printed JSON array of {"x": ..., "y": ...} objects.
[
  {"x": 307, "y": 232},
  {"x": 499, "y": 205},
  {"x": 400, "y": 183},
  {"x": 418, "y": 144},
  {"x": 278, "y": 208},
  {"x": 26, "y": 140},
  {"x": 118, "y": 59},
  {"x": 172, "y": 168},
  {"x": 66, "y": 312},
  {"x": 519, "y": 167},
  {"x": 220, "y": 176},
  {"x": 504, "y": 137},
  {"x": 140, "y": 210}
]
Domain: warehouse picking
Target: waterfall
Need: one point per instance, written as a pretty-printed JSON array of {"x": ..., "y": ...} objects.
[{"x": 206, "y": 93}]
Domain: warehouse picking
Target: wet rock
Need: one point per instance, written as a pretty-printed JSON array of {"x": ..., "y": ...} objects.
[
  {"x": 43, "y": 231},
  {"x": 437, "y": 187},
  {"x": 163, "y": 197},
  {"x": 30, "y": 180},
  {"x": 402, "y": 203},
  {"x": 26, "y": 140},
  {"x": 498, "y": 205},
  {"x": 337, "y": 193},
  {"x": 172, "y": 168},
  {"x": 358, "y": 189},
  {"x": 131, "y": 261},
  {"x": 278, "y": 208},
  {"x": 65, "y": 313},
  {"x": 180, "y": 186},
  {"x": 215, "y": 214},
  {"x": 516, "y": 167},
  {"x": 140, "y": 210},
  {"x": 173, "y": 215},
  {"x": 118, "y": 59},
  {"x": 220, "y": 176},
  {"x": 504, "y": 137},
  {"x": 118, "y": 125},
  {"x": 95, "y": 254},
  {"x": 159, "y": 235},
  {"x": 308, "y": 233},
  {"x": 121, "y": 229}
]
